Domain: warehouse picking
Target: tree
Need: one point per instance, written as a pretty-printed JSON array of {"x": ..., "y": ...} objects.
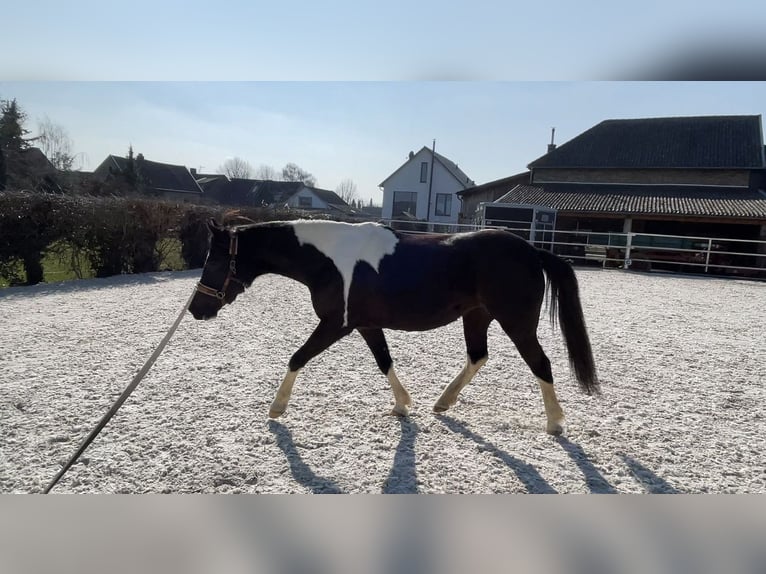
[
  {"x": 236, "y": 167},
  {"x": 132, "y": 177},
  {"x": 12, "y": 130},
  {"x": 3, "y": 173},
  {"x": 266, "y": 172},
  {"x": 55, "y": 143},
  {"x": 346, "y": 190},
  {"x": 291, "y": 172}
]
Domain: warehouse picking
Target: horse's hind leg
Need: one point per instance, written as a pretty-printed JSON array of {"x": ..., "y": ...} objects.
[
  {"x": 524, "y": 336},
  {"x": 475, "y": 325},
  {"x": 322, "y": 337},
  {"x": 376, "y": 341}
]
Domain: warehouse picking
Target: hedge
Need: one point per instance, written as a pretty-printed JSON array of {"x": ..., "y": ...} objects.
[{"x": 108, "y": 235}]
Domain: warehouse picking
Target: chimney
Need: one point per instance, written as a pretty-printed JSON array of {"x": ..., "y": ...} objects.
[
  {"x": 412, "y": 154},
  {"x": 193, "y": 171},
  {"x": 552, "y": 146}
]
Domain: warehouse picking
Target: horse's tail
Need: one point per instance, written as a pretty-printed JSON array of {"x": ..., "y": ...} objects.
[{"x": 564, "y": 295}]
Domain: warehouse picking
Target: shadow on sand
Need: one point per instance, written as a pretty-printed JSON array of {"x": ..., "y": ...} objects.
[
  {"x": 527, "y": 474},
  {"x": 301, "y": 472},
  {"x": 96, "y": 284},
  {"x": 403, "y": 478},
  {"x": 649, "y": 480},
  {"x": 596, "y": 482}
]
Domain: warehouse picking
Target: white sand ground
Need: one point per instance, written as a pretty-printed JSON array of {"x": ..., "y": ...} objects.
[{"x": 682, "y": 362}]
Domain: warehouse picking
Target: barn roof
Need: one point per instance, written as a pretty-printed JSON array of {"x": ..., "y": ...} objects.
[
  {"x": 673, "y": 142},
  {"x": 702, "y": 201}
]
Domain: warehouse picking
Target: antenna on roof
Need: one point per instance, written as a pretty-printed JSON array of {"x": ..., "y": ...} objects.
[{"x": 552, "y": 146}]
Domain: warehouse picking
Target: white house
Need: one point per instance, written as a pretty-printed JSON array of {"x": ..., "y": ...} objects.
[{"x": 425, "y": 188}]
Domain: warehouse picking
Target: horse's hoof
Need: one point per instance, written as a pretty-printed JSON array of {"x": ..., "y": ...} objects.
[
  {"x": 275, "y": 413},
  {"x": 555, "y": 429},
  {"x": 400, "y": 411},
  {"x": 440, "y": 408}
]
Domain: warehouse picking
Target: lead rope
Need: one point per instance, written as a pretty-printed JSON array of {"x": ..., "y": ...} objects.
[{"x": 123, "y": 397}]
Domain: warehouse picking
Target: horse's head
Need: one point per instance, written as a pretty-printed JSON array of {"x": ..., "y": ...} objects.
[{"x": 219, "y": 283}]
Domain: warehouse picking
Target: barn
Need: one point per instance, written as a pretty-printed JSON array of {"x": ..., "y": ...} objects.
[{"x": 683, "y": 183}]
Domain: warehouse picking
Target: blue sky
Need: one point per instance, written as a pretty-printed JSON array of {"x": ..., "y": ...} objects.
[
  {"x": 357, "y": 130},
  {"x": 346, "y": 89},
  {"x": 361, "y": 40}
]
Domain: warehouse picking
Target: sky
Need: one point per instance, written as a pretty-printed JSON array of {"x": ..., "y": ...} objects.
[
  {"x": 361, "y": 131},
  {"x": 345, "y": 89}
]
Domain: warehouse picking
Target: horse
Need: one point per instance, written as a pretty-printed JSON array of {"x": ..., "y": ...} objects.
[{"x": 369, "y": 277}]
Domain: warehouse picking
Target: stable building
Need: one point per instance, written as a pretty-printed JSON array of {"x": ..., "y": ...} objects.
[{"x": 701, "y": 176}]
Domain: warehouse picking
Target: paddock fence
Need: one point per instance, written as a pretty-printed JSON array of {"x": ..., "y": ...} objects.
[{"x": 714, "y": 256}]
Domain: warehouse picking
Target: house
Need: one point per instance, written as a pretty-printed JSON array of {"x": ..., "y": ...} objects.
[
  {"x": 701, "y": 176},
  {"x": 29, "y": 168},
  {"x": 150, "y": 177},
  {"x": 677, "y": 175},
  {"x": 268, "y": 193},
  {"x": 425, "y": 188},
  {"x": 472, "y": 197}
]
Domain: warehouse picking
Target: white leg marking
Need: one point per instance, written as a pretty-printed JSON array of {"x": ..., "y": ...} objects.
[
  {"x": 449, "y": 396},
  {"x": 402, "y": 399},
  {"x": 553, "y": 410},
  {"x": 283, "y": 395}
]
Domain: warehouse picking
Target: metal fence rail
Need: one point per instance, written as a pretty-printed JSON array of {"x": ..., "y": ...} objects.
[{"x": 639, "y": 251}]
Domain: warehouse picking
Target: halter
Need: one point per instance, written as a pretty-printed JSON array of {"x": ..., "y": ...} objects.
[{"x": 230, "y": 276}]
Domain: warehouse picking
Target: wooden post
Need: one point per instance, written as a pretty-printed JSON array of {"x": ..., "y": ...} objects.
[{"x": 626, "y": 227}]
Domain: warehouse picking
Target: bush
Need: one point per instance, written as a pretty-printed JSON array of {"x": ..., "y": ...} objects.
[
  {"x": 27, "y": 221},
  {"x": 111, "y": 235}
]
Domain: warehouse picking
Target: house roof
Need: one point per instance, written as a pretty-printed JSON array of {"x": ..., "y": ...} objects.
[
  {"x": 448, "y": 164},
  {"x": 703, "y": 201},
  {"x": 159, "y": 176},
  {"x": 505, "y": 182},
  {"x": 329, "y": 197},
  {"x": 673, "y": 142},
  {"x": 454, "y": 170},
  {"x": 257, "y": 192},
  {"x": 268, "y": 192}
]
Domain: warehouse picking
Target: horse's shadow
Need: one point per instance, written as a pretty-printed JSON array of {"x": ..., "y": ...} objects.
[
  {"x": 301, "y": 472},
  {"x": 596, "y": 482},
  {"x": 527, "y": 474},
  {"x": 402, "y": 479},
  {"x": 403, "y": 476},
  {"x": 648, "y": 479}
]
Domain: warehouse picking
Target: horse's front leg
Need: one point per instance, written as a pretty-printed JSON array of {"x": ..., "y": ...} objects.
[
  {"x": 323, "y": 336},
  {"x": 376, "y": 341}
]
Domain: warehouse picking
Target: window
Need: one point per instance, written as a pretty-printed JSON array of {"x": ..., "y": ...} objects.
[
  {"x": 444, "y": 204},
  {"x": 304, "y": 201},
  {"x": 423, "y": 172},
  {"x": 404, "y": 201}
]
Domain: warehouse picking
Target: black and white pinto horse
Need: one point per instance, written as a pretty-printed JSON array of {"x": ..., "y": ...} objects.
[{"x": 369, "y": 277}]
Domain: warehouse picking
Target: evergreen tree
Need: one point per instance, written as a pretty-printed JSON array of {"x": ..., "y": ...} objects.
[
  {"x": 3, "y": 176},
  {"x": 131, "y": 171},
  {"x": 12, "y": 130}
]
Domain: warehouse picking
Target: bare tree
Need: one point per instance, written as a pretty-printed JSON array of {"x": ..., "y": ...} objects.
[
  {"x": 236, "y": 167},
  {"x": 55, "y": 143},
  {"x": 347, "y": 191},
  {"x": 291, "y": 172},
  {"x": 266, "y": 172}
]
